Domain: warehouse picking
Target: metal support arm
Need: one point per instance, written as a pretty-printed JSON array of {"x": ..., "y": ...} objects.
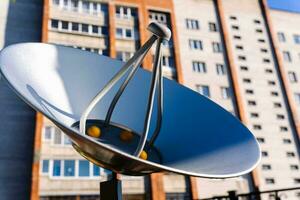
[{"x": 160, "y": 33}]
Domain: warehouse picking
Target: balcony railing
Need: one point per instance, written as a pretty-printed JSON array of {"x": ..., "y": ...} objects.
[{"x": 280, "y": 194}]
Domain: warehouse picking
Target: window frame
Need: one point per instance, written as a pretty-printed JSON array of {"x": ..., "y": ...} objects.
[
  {"x": 199, "y": 67},
  {"x": 206, "y": 87},
  {"x": 281, "y": 37}
]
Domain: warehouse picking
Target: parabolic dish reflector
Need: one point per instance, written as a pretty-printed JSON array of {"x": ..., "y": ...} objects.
[{"x": 197, "y": 136}]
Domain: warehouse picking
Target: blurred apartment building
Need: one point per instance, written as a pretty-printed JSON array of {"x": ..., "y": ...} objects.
[
  {"x": 19, "y": 22},
  {"x": 224, "y": 49}
]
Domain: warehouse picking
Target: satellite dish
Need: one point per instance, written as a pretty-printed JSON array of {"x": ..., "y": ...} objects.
[{"x": 192, "y": 136}]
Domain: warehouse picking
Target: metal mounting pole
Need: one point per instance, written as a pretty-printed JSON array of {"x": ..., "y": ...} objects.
[{"x": 111, "y": 189}]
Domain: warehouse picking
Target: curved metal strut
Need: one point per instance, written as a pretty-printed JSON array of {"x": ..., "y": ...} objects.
[{"x": 156, "y": 84}]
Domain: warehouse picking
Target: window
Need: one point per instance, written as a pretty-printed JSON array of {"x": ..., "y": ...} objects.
[
  {"x": 199, "y": 67},
  {"x": 84, "y": 168},
  {"x": 69, "y": 168},
  {"x": 55, "y": 2},
  {"x": 47, "y": 133},
  {"x": 74, "y": 5},
  {"x": 105, "y": 52},
  {"x": 266, "y": 167},
  {"x": 119, "y": 32},
  {"x": 290, "y": 154},
  {"x": 279, "y": 116},
  {"x": 271, "y": 83},
  {"x": 258, "y": 30},
  {"x": 95, "y": 29},
  {"x": 56, "y": 168},
  {"x": 65, "y": 25},
  {"x": 274, "y": 93},
  {"x": 65, "y": 4},
  {"x": 95, "y": 7},
  {"x": 242, "y": 57},
  {"x": 270, "y": 181},
  {"x": 261, "y": 140},
  {"x": 294, "y": 167},
  {"x": 167, "y": 44},
  {"x": 128, "y": 33},
  {"x": 254, "y": 115},
  {"x": 263, "y": 50},
  {"x": 286, "y": 141},
  {"x": 266, "y": 60},
  {"x": 292, "y": 77},
  {"x": 192, "y": 24},
  {"x": 124, "y": 33},
  {"x": 167, "y": 61},
  {"x": 106, "y": 171},
  {"x": 297, "y": 39},
  {"x": 85, "y": 28},
  {"x": 220, "y": 69},
  {"x": 283, "y": 128},
  {"x": 158, "y": 17},
  {"x": 237, "y": 37},
  {"x": 225, "y": 92},
  {"x": 195, "y": 44},
  {"x": 119, "y": 55},
  {"x": 45, "y": 166},
  {"x": 67, "y": 140},
  {"x": 257, "y": 127},
  {"x": 57, "y": 136},
  {"x": 125, "y": 12},
  {"x": 86, "y": 6},
  {"x": 96, "y": 170},
  {"x": 297, "y": 180},
  {"x": 261, "y": 40},
  {"x": 54, "y": 23},
  {"x": 244, "y": 68},
  {"x": 287, "y": 56},
  {"x": 239, "y": 47},
  {"x": 104, "y": 30},
  {"x": 281, "y": 37},
  {"x": 217, "y": 48},
  {"x": 203, "y": 89},
  {"x": 233, "y": 18},
  {"x": 248, "y": 91},
  {"x": 247, "y": 80},
  {"x": 75, "y": 26},
  {"x": 234, "y": 27},
  {"x": 264, "y": 154},
  {"x": 256, "y": 21},
  {"x": 212, "y": 27},
  {"x": 297, "y": 98},
  {"x": 124, "y": 56},
  {"x": 251, "y": 103},
  {"x": 119, "y": 9},
  {"x": 277, "y": 105},
  {"x": 269, "y": 71}
]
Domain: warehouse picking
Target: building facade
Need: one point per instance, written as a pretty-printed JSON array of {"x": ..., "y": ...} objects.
[
  {"x": 242, "y": 57},
  {"x": 19, "y": 22}
]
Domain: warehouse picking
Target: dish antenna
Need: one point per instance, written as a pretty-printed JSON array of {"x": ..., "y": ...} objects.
[{"x": 106, "y": 108}]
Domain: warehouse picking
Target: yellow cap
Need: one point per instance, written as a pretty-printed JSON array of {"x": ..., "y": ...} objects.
[
  {"x": 94, "y": 131},
  {"x": 144, "y": 155},
  {"x": 126, "y": 136}
]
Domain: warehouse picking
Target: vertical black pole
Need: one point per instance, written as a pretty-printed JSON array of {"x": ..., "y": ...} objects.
[
  {"x": 232, "y": 195},
  {"x": 111, "y": 189}
]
